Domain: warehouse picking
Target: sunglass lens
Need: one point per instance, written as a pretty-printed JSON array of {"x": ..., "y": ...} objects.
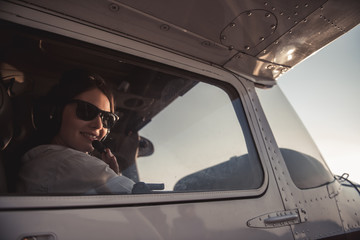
[{"x": 86, "y": 111}]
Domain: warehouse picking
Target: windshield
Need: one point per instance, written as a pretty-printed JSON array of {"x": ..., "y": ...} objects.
[{"x": 303, "y": 159}]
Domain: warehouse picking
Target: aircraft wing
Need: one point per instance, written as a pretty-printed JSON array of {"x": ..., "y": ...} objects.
[{"x": 259, "y": 39}]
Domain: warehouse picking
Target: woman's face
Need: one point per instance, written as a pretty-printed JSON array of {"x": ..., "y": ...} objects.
[{"x": 78, "y": 134}]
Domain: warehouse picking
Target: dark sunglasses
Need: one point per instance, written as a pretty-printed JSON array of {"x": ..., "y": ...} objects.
[{"x": 87, "y": 112}]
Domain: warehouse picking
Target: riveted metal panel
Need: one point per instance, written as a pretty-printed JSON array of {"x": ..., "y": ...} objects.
[
  {"x": 219, "y": 32},
  {"x": 348, "y": 201},
  {"x": 321, "y": 214},
  {"x": 310, "y": 32},
  {"x": 239, "y": 34}
]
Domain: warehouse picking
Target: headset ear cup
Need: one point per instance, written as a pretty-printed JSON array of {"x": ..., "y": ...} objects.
[
  {"x": 52, "y": 112},
  {"x": 46, "y": 118},
  {"x": 56, "y": 118}
]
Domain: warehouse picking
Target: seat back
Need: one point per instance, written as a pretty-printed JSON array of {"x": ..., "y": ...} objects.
[{"x": 6, "y": 131}]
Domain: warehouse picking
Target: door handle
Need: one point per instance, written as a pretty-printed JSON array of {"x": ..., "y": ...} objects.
[
  {"x": 278, "y": 219},
  {"x": 39, "y": 236}
]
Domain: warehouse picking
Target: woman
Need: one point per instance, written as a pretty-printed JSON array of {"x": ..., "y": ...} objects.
[{"x": 81, "y": 111}]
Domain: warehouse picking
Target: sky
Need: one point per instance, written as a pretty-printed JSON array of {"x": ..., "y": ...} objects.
[{"x": 324, "y": 90}]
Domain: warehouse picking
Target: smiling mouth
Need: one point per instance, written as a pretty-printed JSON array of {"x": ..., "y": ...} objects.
[{"x": 89, "y": 136}]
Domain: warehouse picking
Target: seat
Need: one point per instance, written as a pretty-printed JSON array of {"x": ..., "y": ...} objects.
[{"x": 6, "y": 131}]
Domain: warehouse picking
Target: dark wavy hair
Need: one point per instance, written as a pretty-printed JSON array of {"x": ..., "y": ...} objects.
[{"x": 48, "y": 118}]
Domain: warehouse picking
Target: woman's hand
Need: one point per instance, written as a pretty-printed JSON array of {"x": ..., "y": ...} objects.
[{"x": 110, "y": 159}]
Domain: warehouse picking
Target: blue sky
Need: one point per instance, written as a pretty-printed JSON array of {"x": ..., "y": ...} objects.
[{"x": 325, "y": 92}]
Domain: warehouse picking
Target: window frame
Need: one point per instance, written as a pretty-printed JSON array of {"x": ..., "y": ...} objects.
[{"x": 238, "y": 83}]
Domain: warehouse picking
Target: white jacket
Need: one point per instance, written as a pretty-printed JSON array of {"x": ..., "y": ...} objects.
[{"x": 62, "y": 170}]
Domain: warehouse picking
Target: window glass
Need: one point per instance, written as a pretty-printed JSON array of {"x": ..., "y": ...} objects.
[
  {"x": 304, "y": 161},
  {"x": 200, "y": 145}
]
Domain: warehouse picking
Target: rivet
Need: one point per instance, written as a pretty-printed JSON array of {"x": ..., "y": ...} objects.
[
  {"x": 265, "y": 3},
  {"x": 296, "y": 13},
  {"x": 249, "y": 13},
  {"x": 247, "y": 47},
  {"x": 231, "y": 47},
  {"x": 305, "y": 20},
  {"x": 223, "y": 37},
  {"x": 232, "y": 24},
  {"x": 297, "y": 6},
  {"x": 206, "y": 43},
  {"x": 267, "y": 15},
  {"x": 114, "y": 7},
  {"x": 165, "y": 27},
  {"x": 261, "y": 38},
  {"x": 281, "y": 13},
  {"x": 273, "y": 26},
  {"x": 273, "y": 9},
  {"x": 306, "y": 5}
]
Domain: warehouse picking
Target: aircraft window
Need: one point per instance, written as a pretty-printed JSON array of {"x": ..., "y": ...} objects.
[
  {"x": 200, "y": 145},
  {"x": 175, "y": 133},
  {"x": 303, "y": 160}
]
